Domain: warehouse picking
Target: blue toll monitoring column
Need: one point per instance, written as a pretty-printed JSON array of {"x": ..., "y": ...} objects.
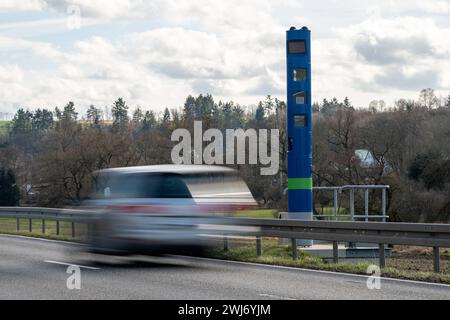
[{"x": 299, "y": 123}]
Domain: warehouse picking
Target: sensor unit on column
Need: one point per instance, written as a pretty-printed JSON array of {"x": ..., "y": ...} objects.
[
  {"x": 299, "y": 74},
  {"x": 299, "y": 118},
  {"x": 296, "y": 46}
]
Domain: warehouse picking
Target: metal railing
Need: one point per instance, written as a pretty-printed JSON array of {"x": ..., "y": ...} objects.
[
  {"x": 423, "y": 235},
  {"x": 45, "y": 214},
  {"x": 382, "y": 216}
]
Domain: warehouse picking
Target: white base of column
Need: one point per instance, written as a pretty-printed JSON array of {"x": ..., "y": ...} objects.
[
  {"x": 307, "y": 216},
  {"x": 300, "y": 216}
]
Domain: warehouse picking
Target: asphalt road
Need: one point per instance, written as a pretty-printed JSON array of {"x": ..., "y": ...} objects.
[{"x": 36, "y": 269}]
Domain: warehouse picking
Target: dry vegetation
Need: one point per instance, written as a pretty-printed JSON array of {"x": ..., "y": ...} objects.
[{"x": 53, "y": 153}]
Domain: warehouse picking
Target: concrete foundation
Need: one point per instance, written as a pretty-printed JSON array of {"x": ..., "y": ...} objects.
[{"x": 325, "y": 251}]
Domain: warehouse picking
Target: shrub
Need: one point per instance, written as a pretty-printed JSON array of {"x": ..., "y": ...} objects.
[{"x": 9, "y": 191}]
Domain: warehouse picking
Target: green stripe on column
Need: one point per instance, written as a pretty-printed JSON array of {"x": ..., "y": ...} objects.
[{"x": 300, "y": 184}]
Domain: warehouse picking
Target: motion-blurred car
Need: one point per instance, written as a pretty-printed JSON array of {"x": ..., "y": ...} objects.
[{"x": 159, "y": 209}]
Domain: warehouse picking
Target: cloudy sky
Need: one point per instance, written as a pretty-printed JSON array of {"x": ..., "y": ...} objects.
[{"x": 154, "y": 53}]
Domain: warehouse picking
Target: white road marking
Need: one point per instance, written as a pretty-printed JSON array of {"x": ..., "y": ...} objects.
[
  {"x": 40, "y": 239},
  {"x": 355, "y": 281},
  {"x": 321, "y": 271},
  {"x": 274, "y": 296},
  {"x": 70, "y": 264}
]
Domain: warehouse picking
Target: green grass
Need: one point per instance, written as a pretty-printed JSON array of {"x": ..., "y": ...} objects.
[
  {"x": 273, "y": 214},
  {"x": 4, "y": 127},
  {"x": 259, "y": 214},
  {"x": 329, "y": 211}
]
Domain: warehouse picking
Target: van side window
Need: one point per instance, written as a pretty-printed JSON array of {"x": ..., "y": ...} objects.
[{"x": 174, "y": 187}]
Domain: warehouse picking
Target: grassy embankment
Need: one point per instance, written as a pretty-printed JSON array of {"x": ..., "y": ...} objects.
[
  {"x": 4, "y": 127},
  {"x": 8, "y": 226},
  {"x": 405, "y": 262}
]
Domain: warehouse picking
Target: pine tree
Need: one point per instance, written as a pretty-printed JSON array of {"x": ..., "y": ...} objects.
[
  {"x": 166, "y": 117},
  {"x": 42, "y": 120},
  {"x": 94, "y": 115},
  {"x": 204, "y": 106},
  {"x": 269, "y": 104},
  {"x": 120, "y": 113},
  {"x": 347, "y": 103},
  {"x": 260, "y": 113},
  {"x": 447, "y": 102},
  {"x": 149, "y": 121},
  {"x": 188, "y": 110},
  {"x": 22, "y": 121},
  {"x": 138, "y": 116},
  {"x": 69, "y": 114}
]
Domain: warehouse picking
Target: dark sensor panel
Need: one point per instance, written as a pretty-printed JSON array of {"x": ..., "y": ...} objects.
[{"x": 297, "y": 47}]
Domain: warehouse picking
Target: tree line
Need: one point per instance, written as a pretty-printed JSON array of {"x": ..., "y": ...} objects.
[{"x": 53, "y": 152}]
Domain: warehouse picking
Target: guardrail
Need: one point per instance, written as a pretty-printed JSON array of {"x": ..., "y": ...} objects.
[
  {"x": 424, "y": 235},
  {"x": 381, "y": 233},
  {"x": 45, "y": 214},
  {"x": 382, "y": 216}
]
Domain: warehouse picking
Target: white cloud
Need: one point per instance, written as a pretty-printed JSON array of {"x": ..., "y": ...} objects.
[
  {"x": 385, "y": 58},
  {"x": 395, "y": 7},
  {"x": 168, "y": 63},
  {"x": 10, "y": 73},
  {"x": 230, "y": 48},
  {"x": 211, "y": 15},
  {"x": 434, "y": 6},
  {"x": 21, "y": 5},
  {"x": 233, "y": 49}
]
